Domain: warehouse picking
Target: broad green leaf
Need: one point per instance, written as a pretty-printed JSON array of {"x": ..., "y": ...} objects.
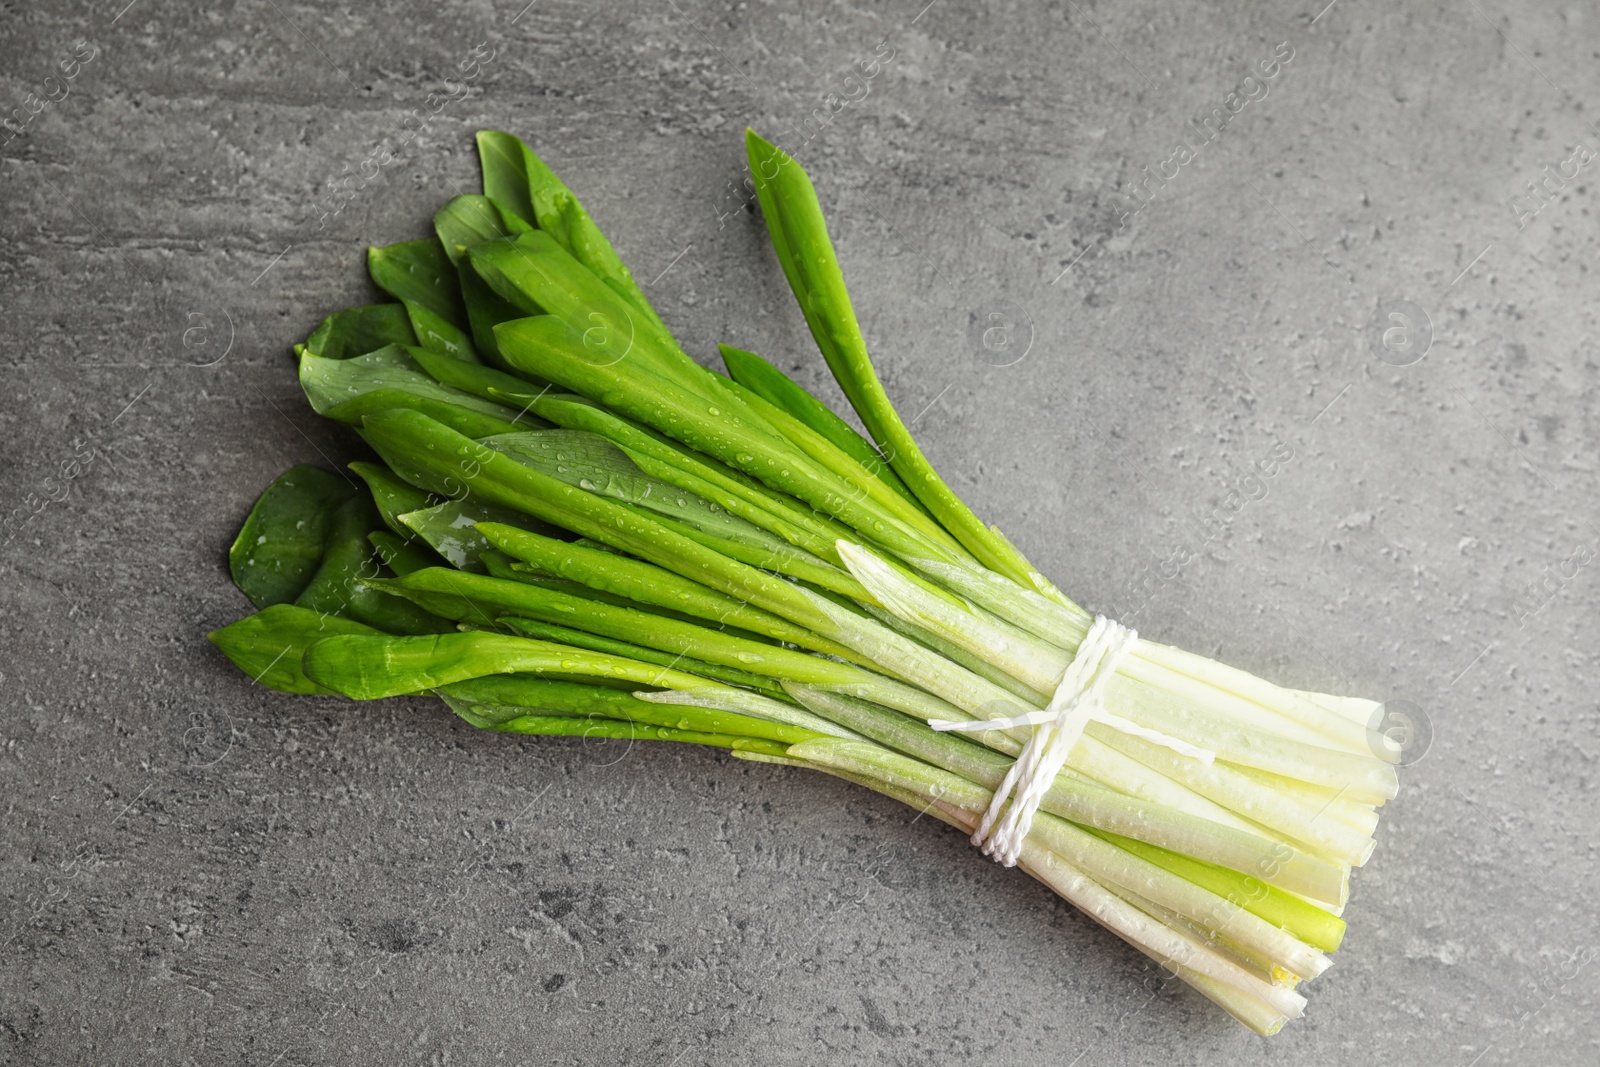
[
  {"x": 505, "y": 177},
  {"x": 463, "y": 223},
  {"x": 486, "y": 309},
  {"x": 574, "y": 609},
  {"x": 369, "y": 668},
  {"x": 595, "y": 465},
  {"x": 339, "y": 585},
  {"x": 566, "y": 635},
  {"x": 401, "y": 556},
  {"x": 331, "y": 384},
  {"x": 281, "y": 543},
  {"x": 448, "y": 529},
  {"x": 468, "y": 614},
  {"x": 470, "y": 220},
  {"x": 618, "y": 579},
  {"x": 433, "y": 456},
  {"x": 358, "y": 330},
  {"x": 393, "y": 496},
  {"x": 544, "y": 345},
  {"x": 438, "y": 334},
  {"x": 800, "y": 238},
  {"x": 420, "y": 272},
  {"x": 555, "y": 210},
  {"x": 482, "y": 381},
  {"x": 458, "y": 418},
  {"x": 503, "y": 566},
  {"x": 534, "y": 274},
  {"x": 768, "y": 382},
  {"x": 667, "y": 459},
  {"x": 269, "y": 644}
]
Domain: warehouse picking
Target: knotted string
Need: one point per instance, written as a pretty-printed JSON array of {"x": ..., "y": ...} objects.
[{"x": 1079, "y": 697}]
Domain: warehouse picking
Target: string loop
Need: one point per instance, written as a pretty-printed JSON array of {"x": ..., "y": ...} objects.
[{"x": 1079, "y": 697}]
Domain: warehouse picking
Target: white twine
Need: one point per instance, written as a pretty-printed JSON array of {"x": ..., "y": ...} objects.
[{"x": 1079, "y": 697}]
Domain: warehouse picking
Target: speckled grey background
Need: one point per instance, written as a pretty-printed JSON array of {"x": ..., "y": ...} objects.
[{"x": 194, "y": 870}]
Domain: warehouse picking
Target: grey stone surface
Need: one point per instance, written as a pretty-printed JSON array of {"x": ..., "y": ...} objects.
[{"x": 195, "y": 870}]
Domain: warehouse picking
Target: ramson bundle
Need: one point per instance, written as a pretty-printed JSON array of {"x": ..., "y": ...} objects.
[{"x": 576, "y": 529}]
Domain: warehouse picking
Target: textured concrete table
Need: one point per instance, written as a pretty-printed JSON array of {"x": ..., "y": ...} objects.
[{"x": 1109, "y": 279}]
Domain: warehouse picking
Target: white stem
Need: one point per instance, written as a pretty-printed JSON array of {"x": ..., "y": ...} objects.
[
  {"x": 1301, "y": 822},
  {"x": 1151, "y": 697},
  {"x": 1299, "y": 712},
  {"x": 1333, "y": 803},
  {"x": 1102, "y": 860},
  {"x": 1161, "y": 942}
]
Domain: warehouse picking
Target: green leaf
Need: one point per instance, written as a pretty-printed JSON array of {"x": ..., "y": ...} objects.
[
  {"x": 470, "y": 220},
  {"x": 420, "y": 272},
  {"x": 772, "y": 385},
  {"x": 332, "y": 384},
  {"x": 359, "y": 330},
  {"x": 507, "y": 567},
  {"x": 667, "y": 459},
  {"x": 369, "y": 668},
  {"x": 486, "y": 309},
  {"x": 636, "y": 627},
  {"x": 438, "y": 334},
  {"x": 565, "y": 635},
  {"x": 393, "y": 496},
  {"x": 505, "y": 177},
  {"x": 800, "y": 238},
  {"x": 462, "y": 224},
  {"x": 449, "y": 529},
  {"x": 280, "y": 545},
  {"x": 635, "y": 582},
  {"x": 269, "y": 644},
  {"x": 482, "y": 381},
  {"x": 432, "y": 456},
  {"x": 554, "y": 208},
  {"x": 548, "y": 347},
  {"x": 401, "y": 556},
  {"x": 595, "y": 465},
  {"x": 458, "y": 418},
  {"x": 491, "y": 702},
  {"x": 514, "y": 695},
  {"x": 535, "y": 274},
  {"x": 339, "y": 585}
]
